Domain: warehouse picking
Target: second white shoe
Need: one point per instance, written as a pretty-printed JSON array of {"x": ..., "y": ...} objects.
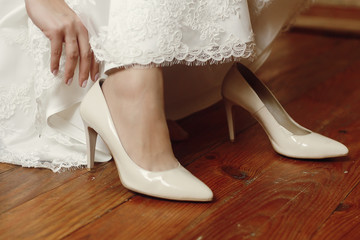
[{"x": 241, "y": 87}]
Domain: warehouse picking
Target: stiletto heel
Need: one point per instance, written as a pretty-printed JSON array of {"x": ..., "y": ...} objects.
[
  {"x": 91, "y": 136},
  {"x": 230, "y": 119},
  {"x": 243, "y": 88},
  {"x": 176, "y": 184}
]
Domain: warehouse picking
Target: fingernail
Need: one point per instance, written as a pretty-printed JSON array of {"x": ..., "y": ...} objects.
[
  {"x": 55, "y": 72},
  {"x": 96, "y": 77},
  {"x": 69, "y": 81},
  {"x": 84, "y": 84}
]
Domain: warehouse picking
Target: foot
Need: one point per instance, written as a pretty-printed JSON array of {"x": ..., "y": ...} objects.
[{"x": 135, "y": 100}]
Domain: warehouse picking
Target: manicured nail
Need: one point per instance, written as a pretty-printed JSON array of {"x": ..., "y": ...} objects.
[
  {"x": 84, "y": 84},
  {"x": 55, "y": 72},
  {"x": 69, "y": 81},
  {"x": 96, "y": 77}
]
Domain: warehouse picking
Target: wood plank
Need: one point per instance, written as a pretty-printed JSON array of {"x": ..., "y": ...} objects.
[
  {"x": 66, "y": 208},
  {"x": 4, "y": 167},
  {"x": 344, "y": 223},
  {"x": 160, "y": 220},
  {"x": 23, "y": 184}
]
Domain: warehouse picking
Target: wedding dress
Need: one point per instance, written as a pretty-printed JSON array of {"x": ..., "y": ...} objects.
[{"x": 39, "y": 121}]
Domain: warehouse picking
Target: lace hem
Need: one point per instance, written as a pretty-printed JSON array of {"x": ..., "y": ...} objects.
[
  {"x": 33, "y": 159},
  {"x": 241, "y": 52},
  {"x": 163, "y": 33}
]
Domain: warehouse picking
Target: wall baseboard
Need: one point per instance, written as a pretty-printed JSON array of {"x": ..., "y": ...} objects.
[
  {"x": 341, "y": 3},
  {"x": 331, "y": 19}
]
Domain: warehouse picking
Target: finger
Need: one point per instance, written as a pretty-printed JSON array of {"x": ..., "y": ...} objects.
[
  {"x": 94, "y": 68},
  {"x": 72, "y": 55},
  {"x": 56, "y": 50},
  {"x": 85, "y": 56}
]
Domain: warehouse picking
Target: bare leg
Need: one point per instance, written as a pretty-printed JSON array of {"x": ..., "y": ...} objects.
[{"x": 136, "y": 103}]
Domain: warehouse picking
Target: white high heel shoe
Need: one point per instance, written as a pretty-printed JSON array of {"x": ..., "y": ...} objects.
[
  {"x": 175, "y": 184},
  {"x": 241, "y": 87}
]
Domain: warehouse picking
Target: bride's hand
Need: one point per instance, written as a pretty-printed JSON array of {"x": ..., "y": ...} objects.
[{"x": 60, "y": 24}]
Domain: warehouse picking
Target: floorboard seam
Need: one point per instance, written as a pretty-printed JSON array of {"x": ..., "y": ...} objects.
[
  {"x": 102, "y": 215},
  {"x": 326, "y": 219},
  {"x": 49, "y": 190}
]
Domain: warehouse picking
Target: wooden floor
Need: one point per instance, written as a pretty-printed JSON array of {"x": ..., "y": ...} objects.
[{"x": 258, "y": 193}]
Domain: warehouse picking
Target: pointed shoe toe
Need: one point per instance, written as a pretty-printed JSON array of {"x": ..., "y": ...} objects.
[
  {"x": 317, "y": 146},
  {"x": 173, "y": 184},
  {"x": 339, "y": 150},
  {"x": 333, "y": 148},
  {"x": 309, "y": 146},
  {"x": 186, "y": 186}
]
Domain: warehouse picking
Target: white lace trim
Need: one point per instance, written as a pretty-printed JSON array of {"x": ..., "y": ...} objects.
[
  {"x": 157, "y": 33},
  {"x": 34, "y": 159},
  {"x": 226, "y": 54}
]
